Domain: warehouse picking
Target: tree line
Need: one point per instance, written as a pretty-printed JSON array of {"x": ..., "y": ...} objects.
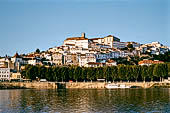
[{"x": 114, "y": 73}]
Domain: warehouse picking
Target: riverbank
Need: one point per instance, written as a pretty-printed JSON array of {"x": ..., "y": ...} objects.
[
  {"x": 8, "y": 86},
  {"x": 28, "y": 85},
  {"x": 77, "y": 85},
  {"x": 102, "y": 85}
]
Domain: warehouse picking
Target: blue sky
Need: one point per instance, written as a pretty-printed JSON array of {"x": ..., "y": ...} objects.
[{"x": 29, "y": 24}]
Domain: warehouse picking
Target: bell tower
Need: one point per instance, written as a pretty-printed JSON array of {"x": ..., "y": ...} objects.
[{"x": 83, "y": 35}]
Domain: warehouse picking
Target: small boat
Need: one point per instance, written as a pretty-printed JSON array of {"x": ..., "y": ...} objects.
[{"x": 114, "y": 86}]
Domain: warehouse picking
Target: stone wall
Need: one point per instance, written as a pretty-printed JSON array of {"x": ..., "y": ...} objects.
[
  {"x": 86, "y": 85},
  {"x": 34, "y": 85},
  {"x": 82, "y": 85}
]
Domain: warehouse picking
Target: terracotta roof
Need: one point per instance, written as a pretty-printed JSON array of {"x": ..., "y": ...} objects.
[
  {"x": 70, "y": 44},
  {"x": 30, "y": 55},
  {"x": 77, "y": 38},
  {"x": 96, "y": 63},
  {"x": 3, "y": 67},
  {"x": 110, "y": 61},
  {"x": 83, "y": 54},
  {"x": 17, "y": 56},
  {"x": 150, "y": 62},
  {"x": 95, "y": 38}
]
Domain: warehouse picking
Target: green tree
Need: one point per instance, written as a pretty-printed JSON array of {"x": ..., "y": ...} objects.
[
  {"x": 42, "y": 72},
  {"x": 37, "y": 50},
  {"x": 121, "y": 72},
  {"x": 107, "y": 73},
  {"x": 91, "y": 73},
  {"x": 162, "y": 57},
  {"x": 160, "y": 70},
  {"x": 136, "y": 72},
  {"x": 165, "y": 70},
  {"x": 50, "y": 74},
  {"x": 77, "y": 73},
  {"x": 168, "y": 69},
  {"x": 64, "y": 73},
  {"x": 114, "y": 73},
  {"x": 99, "y": 73},
  {"x": 55, "y": 73},
  {"x": 144, "y": 72},
  {"x": 150, "y": 72},
  {"x": 129, "y": 71},
  {"x": 31, "y": 72},
  {"x": 23, "y": 72},
  {"x": 129, "y": 46},
  {"x": 84, "y": 73},
  {"x": 71, "y": 72}
]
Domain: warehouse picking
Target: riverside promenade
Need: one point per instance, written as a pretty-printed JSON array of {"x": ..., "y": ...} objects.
[{"x": 80, "y": 85}]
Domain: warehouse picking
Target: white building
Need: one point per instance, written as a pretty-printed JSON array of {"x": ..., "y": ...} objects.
[
  {"x": 4, "y": 62},
  {"x": 106, "y": 56},
  {"x": 57, "y": 58},
  {"x": 80, "y": 42},
  {"x": 17, "y": 61},
  {"x": 48, "y": 56},
  {"x": 86, "y": 58},
  {"x": 34, "y": 61},
  {"x": 4, "y": 74},
  {"x": 119, "y": 45},
  {"x": 154, "y": 48},
  {"x": 54, "y": 49},
  {"x": 94, "y": 64},
  {"x": 78, "y": 50},
  {"x": 107, "y": 41}
]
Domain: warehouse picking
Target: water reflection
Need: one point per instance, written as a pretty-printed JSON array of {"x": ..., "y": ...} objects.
[{"x": 81, "y": 100}]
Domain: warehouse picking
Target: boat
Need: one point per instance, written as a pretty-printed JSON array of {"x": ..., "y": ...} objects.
[{"x": 115, "y": 86}]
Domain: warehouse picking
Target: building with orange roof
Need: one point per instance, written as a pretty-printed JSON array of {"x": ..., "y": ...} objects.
[
  {"x": 111, "y": 63},
  {"x": 149, "y": 62}
]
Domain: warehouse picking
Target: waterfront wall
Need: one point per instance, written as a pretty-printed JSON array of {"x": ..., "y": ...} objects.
[
  {"x": 86, "y": 85},
  {"x": 101, "y": 85},
  {"x": 32, "y": 85},
  {"x": 55, "y": 85},
  {"x": 82, "y": 85}
]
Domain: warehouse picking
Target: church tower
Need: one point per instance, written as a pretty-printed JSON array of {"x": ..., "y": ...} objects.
[{"x": 83, "y": 35}]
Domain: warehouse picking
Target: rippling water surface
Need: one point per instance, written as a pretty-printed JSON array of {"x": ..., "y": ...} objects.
[{"x": 85, "y": 100}]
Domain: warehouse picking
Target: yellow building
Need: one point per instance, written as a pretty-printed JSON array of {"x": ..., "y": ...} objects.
[{"x": 15, "y": 76}]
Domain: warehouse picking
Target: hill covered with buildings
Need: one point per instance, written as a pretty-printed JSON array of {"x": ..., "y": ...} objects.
[{"x": 88, "y": 52}]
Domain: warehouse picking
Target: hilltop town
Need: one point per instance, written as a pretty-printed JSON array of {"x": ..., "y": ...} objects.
[{"x": 85, "y": 52}]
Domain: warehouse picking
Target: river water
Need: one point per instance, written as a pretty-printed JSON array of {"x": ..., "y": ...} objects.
[{"x": 85, "y": 100}]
